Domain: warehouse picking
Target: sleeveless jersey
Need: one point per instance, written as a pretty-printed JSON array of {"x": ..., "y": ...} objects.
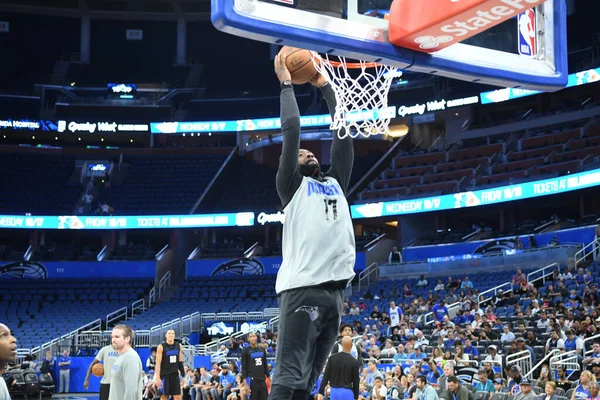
[
  {"x": 170, "y": 358},
  {"x": 318, "y": 237}
]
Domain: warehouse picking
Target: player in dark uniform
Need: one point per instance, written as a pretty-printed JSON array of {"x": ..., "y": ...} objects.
[
  {"x": 255, "y": 369},
  {"x": 318, "y": 247},
  {"x": 169, "y": 364}
]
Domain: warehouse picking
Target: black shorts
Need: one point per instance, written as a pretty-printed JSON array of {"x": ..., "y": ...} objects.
[
  {"x": 171, "y": 385},
  {"x": 104, "y": 391}
]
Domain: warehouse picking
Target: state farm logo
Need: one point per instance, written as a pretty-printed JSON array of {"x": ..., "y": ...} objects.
[
  {"x": 448, "y": 22},
  {"x": 430, "y": 42}
]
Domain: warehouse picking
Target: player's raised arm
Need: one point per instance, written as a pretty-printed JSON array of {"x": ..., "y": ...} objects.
[
  {"x": 288, "y": 178},
  {"x": 342, "y": 151}
]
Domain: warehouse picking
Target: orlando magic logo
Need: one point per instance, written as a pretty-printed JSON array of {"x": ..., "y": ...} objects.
[{"x": 313, "y": 312}]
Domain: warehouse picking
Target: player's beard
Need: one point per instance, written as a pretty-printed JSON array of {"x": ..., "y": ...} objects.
[{"x": 310, "y": 169}]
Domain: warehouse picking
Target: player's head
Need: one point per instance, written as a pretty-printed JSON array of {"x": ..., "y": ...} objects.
[
  {"x": 252, "y": 339},
  {"x": 308, "y": 164},
  {"x": 122, "y": 336},
  {"x": 8, "y": 346},
  {"x": 170, "y": 336},
  {"x": 346, "y": 330}
]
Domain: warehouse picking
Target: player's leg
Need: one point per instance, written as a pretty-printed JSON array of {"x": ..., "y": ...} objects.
[
  {"x": 341, "y": 394},
  {"x": 299, "y": 328},
  {"x": 104, "y": 391},
  {"x": 330, "y": 325},
  {"x": 174, "y": 386}
]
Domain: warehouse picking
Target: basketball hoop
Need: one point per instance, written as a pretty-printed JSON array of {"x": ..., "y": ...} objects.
[{"x": 362, "y": 97}]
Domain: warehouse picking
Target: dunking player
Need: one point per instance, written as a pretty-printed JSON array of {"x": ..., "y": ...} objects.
[
  {"x": 255, "y": 369},
  {"x": 169, "y": 364},
  {"x": 107, "y": 355},
  {"x": 318, "y": 248}
]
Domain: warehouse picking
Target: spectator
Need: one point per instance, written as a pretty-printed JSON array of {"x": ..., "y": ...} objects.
[
  {"x": 522, "y": 346},
  {"x": 395, "y": 256},
  {"x": 574, "y": 343},
  {"x": 471, "y": 350},
  {"x": 507, "y": 335},
  {"x": 448, "y": 371},
  {"x": 525, "y": 392},
  {"x": 518, "y": 277},
  {"x": 493, "y": 356},
  {"x": 594, "y": 356},
  {"x": 554, "y": 241},
  {"x": 388, "y": 350},
  {"x": 439, "y": 311},
  {"x": 499, "y": 386},
  {"x": 440, "y": 286},
  {"x": 466, "y": 284},
  {"x": 456, "y": 391},
  {"x": 379, "y": 391},
  {"x": 354, "y": 310},
  {"x": 422, "y": 282},
  {"x": 594, "y": 389},
  {"x": 549, "y": 391},
  {"x": 425, "y": 391},
  {"x": 484, "y": 384},
  {"x": 582, "y": 390},
  {"x": 563, "y": 382},
  {"x": 544, "y": 377}
]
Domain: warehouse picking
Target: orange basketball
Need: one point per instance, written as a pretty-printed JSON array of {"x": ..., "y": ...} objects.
[
  {"x": 299, "y": 63},
  {"x": 98, "y": 370}
]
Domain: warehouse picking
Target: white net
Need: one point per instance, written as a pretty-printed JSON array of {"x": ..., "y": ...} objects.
[{"x": 361, "y": 91}]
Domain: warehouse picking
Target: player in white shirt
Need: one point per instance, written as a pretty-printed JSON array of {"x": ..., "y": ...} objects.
[
  {"x": 318, "y": 248},
  {"x": 396, "y": 315}
]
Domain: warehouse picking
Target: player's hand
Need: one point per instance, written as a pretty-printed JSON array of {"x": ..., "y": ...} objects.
[
  {"x": 318, "y": 80},
  {"x": 86, "y": 384},
  {"x": 283, "y": 74},
  {"x": 157, "y": 382},
  {"x": 318, "y": 396}
]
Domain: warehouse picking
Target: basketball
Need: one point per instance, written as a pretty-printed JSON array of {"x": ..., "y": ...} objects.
[
  {"x": 299, "y": 63},
  {"x": 98, "y": 369}
]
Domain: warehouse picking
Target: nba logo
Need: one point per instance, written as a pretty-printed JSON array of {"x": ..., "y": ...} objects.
[{"x": 526, "y": 22}]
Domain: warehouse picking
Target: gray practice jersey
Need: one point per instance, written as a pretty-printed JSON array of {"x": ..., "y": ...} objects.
[
  {"x": 318, "y": 237},
  {"x": 107, "y": 356},
  {"x": 126, "y": 378},
  {"x": 3, "y": 390}
]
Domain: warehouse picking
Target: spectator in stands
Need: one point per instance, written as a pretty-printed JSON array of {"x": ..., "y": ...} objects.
[
  {"x": 579, "y": 277},
  {"x": 354, "y": 310},
  {"x": 574, "y": 343},
  {"x": 395, "y": 256},
  {"x": 563, "y": 382},
  {"x": 514, "y": 381},
  {"x": 417, "y": 354},
  {"x": 421, "y": 340},
  {"x": 594, "y": 389},
  {"x": 554, "y": 241},
  {"x": 544, "y": 377},
  {"x": 440, "y": 311},
  {"x": 493, "y": 356},
  {"x": 425, "y": 391},
  {"x": 452, "y": 297},
  {"x": 410, "y": 386},
  {"x": 549, "y": 391},
  {"x": 543, "y": 322},
  {"x": 388, "y": 350},
  {"x": 64, "y": 364},
  {"x": 466, "y": 284},
  {"x": 400, "y": 355},
  {"x": 567, "y": 276},
  {"x": 396, "y": 315},
  {"x": 460, "y": 358},
  {"x": 393, "y": 389},
  {"x": 448, "y": 371},
  {"x": 518, "y": 243},
  {"x": 525, "y": 392},
  {"x": 588, "y": 279},
  {"x": 226, "y": 382},
  {"x": 488, "y": 334},
  {"x": 422, "y": 282},
  {"x": 440, "y": 286},
  {"x": 582, "y": 390},
  {"x": 531, "y": 339},
  {"x": 210, "y": 389},
  {"x": 518, "y": 277},
  {"x": 406, "y": 291},
  {"x": 151, "y": 361},
  {"x": 595, "y": 365},
  {"x": 456, "y": 391},
  {"x": 594, "y": 356},
  {"x": 499, "y": 386},
  {"x": 451, "y": 284},
  {"x": 522, "y": 346},
  {"x": 372, "y": 373},
  {"x": 471, "y": 350},
  {"x": 484, "y": 384},
  {"x": 375, "y": 314},
  {"x": 507, "y": 335}
]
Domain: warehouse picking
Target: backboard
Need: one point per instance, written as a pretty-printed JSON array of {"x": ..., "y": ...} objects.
[{"x": 505, "y": 43}]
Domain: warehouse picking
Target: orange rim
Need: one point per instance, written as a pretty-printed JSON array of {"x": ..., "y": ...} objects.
[{"x": 349, "y": 65}]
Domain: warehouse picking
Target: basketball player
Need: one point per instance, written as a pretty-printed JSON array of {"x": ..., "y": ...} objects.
[
  {"x": 255, "y": 370},
  {"x": 127, "y": 374},
  {"x": 169, "y": 364},
  {"x": 8, "y": 354},
  {"x": 346, "y": 330},
  {"x": 341, "y": 373},
  {"x": 318, "y": 248},
  {"x": 107, "y": 356}
]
